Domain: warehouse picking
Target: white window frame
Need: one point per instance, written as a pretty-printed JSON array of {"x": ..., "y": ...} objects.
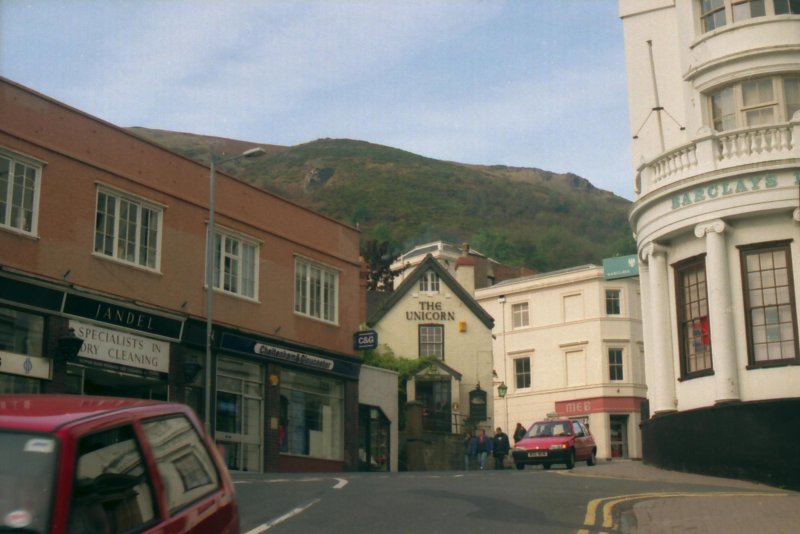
[
  {"x": 113, "y": 235},
  {"x": 429, "y": 282},
  {"x": 520, "y": 315},
  {"x": 25, "y": 209},
  {"x": 523, "y": 374},
  {"x": 431, "y": 341},
  {"x": 738, "y": 112},
  {"x": 316, "y": 290},
  {"x": 620, "y": 364},
  {"x": 233, "y": 248},
  {"x": 610, "y": 297},
  {"x": 733, "y": 12}
]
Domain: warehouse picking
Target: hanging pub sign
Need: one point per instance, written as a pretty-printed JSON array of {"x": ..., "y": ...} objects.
[{"x": 477, "y": 404}]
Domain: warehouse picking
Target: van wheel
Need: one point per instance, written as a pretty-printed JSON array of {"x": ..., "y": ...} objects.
[{"x": 571, "y": 460}]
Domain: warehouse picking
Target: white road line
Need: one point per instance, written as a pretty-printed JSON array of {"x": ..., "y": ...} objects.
[
  {"x": 339, "y": 485},
  {"x": 280, "y": 519}
]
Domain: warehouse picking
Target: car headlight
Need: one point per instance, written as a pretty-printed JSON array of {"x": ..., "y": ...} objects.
[
  {"x": 520, "y": 449},
  {"x": 558, "y": 446}
]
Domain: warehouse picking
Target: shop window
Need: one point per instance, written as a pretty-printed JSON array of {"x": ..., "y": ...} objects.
[
  {"x": 239, "y": 409},
  {"x": 693, "y": 320},
  {"x": 312, "y": 415},
  {"x": 431, "y": 340},
  {"x": 127, "y": 228},
  {"x": 522, "y": 372},
  {"x": 615, "y": 365},
  {"x": 21, "y": 332},
  {"x": 613, "y": 302},
  {"x": 184, "y": 463},
  {"x": 20, "y": 181},
  {"x": 236, "y": 262},
  {"x": 519, "y": 315},
  {"x": 316, "y": 290},
  {"x": 112, "y": 491},
  {"x": 769, "y": 304}
]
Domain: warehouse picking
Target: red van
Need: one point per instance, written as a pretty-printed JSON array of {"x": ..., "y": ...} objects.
[{"x": 102, "y": 465}]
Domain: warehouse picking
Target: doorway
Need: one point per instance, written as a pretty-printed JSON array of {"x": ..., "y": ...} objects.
[
  {"x": 619, "y": 436},
  {"x": 435, "y": 398}
]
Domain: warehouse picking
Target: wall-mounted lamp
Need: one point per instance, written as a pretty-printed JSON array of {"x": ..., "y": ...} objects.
[
  {"x": 502, "y": 389},
  {"x": 69, "y": 345},
  {"x": 190, "y": 371}
]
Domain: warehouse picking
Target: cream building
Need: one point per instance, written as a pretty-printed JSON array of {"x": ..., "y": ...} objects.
[
  {"x": 431, "y": 315},
  {"x": 714, "y": 94},
  {"x": 569, "y": 344}
]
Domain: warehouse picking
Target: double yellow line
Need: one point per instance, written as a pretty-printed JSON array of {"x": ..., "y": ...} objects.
[{"x": 603, "y": 508}]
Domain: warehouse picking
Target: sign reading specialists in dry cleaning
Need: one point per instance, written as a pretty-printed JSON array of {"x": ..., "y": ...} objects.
[{"x": 120, "y": 348}]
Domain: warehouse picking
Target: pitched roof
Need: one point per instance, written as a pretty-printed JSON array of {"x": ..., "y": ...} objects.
[{"x": 430, "y": 264}]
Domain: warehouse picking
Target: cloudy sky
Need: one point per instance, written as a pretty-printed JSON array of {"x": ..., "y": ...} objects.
[{"x": 532, "y": 83}]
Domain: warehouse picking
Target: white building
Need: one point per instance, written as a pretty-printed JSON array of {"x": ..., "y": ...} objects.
[
  {"x": 714, "y": 94},
  {"x": 569, "y": 343},
  {"x": 430, "y": 315}
]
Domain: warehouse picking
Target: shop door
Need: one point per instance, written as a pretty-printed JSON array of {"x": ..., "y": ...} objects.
[
  {"x": 619, "y": 436},
  {"x": 435, "y": 398},
  {"x": 240, "y": 413},
  {"x": 373, "y": 440}
]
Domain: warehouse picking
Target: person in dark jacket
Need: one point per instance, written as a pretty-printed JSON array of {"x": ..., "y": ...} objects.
[
  {"x": 500, "y": 448},
  {"x": 484, "y": 448},
  {"x": 470, "y": 449},
  {"x": 519, "y": 433}
]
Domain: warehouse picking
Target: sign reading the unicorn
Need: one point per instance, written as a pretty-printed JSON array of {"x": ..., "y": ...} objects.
[{"x": 621, "y": 267}]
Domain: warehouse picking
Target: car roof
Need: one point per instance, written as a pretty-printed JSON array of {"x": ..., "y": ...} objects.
[{"x": 48, "y": 412}]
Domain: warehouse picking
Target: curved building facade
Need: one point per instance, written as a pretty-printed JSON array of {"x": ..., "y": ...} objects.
[{"x": 714, "y": 94}]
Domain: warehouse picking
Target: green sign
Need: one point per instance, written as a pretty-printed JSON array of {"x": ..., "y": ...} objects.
[{"x": 620, "y": 267}]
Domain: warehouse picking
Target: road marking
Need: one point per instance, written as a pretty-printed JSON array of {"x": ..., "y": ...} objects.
[
  {"x": 280, "y": 519},
  {"x": 340, "y": 482},
  {"x": 339, "y": 485},
  {"x": 606, "y": 505}
]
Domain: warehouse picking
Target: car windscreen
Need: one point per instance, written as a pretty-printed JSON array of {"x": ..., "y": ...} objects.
[
  {"x": 549, "y": 429},
  {"x": 27, "y": 475}
]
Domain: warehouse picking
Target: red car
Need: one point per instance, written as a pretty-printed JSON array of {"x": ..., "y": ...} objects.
[
  {"x": 82, "y": 464},
  {"x": 556, "y": 441}
]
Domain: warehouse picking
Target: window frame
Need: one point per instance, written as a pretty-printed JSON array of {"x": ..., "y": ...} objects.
[
  {"x": 520, "y": 315},
  {"x": 755, "y": 248},
  {"x": 723, "y": 119},
  {"x": 616, "y": 367},
  {"x": 430, "y": 282},
  {"x": 221, "y": 238},
  {"x": 324, "y": 306},
  {"x": 611, "y": 299},
  {"x": 35, "y": 165},
  {"x": 685, "y": 355},
  {"x": 102, "y": 234},
  {"x": 728, "y": 8},
  {"x": 433, "y": 328},
  {"x": 523, "y": 375}
]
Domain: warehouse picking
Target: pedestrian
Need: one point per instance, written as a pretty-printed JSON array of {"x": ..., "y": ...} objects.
[
  {"x": 483, "y": 448},
  {"x": 500, "y": 448},
  {"x": 519, "y": 433},
  {"x": 470, "y": 450}
]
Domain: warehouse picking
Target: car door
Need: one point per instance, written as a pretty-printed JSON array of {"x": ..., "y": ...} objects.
[{"x": 583, "y": 446}]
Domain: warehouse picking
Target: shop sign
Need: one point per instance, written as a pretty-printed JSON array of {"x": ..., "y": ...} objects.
[
  {"x": 286, "y": 355},
  {"x": 367, "y": 339},
  {"x": 726, "y": 188},
  {"x": 620, "y": 267},
  {"x": 24, "y": 365},
  {"x": 122, "y": 348},
  {"x": 430, "y": 311},
  {"x": 124, "y": 316}
]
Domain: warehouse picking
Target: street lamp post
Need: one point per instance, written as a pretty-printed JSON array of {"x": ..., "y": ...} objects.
[{"x": 210, "y": 245}]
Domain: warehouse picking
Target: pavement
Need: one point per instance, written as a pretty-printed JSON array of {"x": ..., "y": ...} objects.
[{"x": 739, "y": 507}]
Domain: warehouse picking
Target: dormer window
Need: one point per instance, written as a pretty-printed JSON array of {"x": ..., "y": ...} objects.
[{"x": 429, "y": 283}]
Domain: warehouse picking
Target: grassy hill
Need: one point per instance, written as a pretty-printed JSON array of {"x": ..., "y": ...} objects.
[{"x": 518, "y": 216}]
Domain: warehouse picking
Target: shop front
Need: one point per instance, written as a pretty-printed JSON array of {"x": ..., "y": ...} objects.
[
  {"x": 22, "y": 369},
  {"x": 613, "y": 421}
]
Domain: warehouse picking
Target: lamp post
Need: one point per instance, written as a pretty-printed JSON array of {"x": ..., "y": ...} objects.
[
  {"x": 502, "y": 389},
  {"x": 210, "y": 246}
]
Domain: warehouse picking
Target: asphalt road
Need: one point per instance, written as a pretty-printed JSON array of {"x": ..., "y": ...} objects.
[{"x": 582, "y": 500}]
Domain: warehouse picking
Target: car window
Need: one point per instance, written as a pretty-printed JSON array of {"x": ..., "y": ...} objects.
[
  {"x": 185, "y": 465},
  {"x": 27, "y": 474},
  {"x": 112, "y": 492}
]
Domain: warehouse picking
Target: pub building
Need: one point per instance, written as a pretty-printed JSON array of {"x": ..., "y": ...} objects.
[{"x": 103, "y": 288}]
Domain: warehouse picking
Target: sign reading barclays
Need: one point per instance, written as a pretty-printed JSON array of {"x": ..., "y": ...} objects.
[{"x": 621, "y": 267}]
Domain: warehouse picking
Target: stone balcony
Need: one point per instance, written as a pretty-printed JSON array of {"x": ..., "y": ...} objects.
[{"x": 713, "y": 153}]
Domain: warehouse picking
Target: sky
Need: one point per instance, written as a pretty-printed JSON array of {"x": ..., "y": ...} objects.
[{"x": 525, "y": 83}]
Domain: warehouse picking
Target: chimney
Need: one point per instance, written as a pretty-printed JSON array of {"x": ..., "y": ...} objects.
[{"x": 465, "y": 270}]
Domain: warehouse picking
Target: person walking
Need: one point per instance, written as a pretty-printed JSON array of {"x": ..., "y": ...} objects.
[
  {"x": 519, "y": 433},
  {"x": 484, "y": 449},
  {"x": 470, "y": 449},
  {"x": 500, "y": 448}
]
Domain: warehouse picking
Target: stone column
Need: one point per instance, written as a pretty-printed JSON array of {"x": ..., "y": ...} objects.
[
  {"x": 720, "y": 310},
  {"x": 659, "y": 353}
]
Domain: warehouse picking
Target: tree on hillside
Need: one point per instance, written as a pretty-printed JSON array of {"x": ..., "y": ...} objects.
[{"x": 378, "y": 258}]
